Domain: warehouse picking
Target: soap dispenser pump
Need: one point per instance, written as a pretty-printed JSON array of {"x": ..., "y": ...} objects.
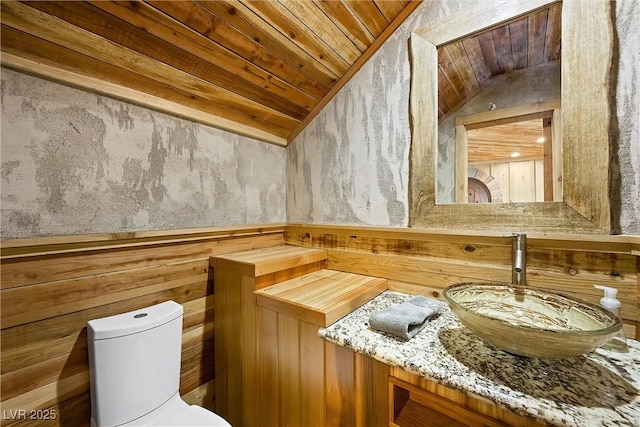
[{"x": 619, "y": 342}]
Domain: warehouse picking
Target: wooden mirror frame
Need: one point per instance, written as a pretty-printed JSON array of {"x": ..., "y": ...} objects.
[{"x": 587, "y": 53}]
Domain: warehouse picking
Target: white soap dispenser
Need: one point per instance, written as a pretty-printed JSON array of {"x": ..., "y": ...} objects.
[{"x": 619, "y": 342}]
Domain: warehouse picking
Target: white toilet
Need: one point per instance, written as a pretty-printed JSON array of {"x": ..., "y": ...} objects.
[{"x": 135, "y": 370}]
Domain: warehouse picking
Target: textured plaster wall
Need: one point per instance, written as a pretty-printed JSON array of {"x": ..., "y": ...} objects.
[
  {"x": 523, "y": 87},
  {"x": 350, "y": 165},
  {"x": 628, "y": 115},
  {"x": 74, "y": 162}
]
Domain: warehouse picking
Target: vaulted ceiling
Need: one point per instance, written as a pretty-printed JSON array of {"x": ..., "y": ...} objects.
[
  {"x": 466, "y": 66},
  {"x": 258, "y": 68}
]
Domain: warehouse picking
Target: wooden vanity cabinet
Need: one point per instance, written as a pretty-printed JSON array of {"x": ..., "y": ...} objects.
[
  {"x": 356, "y": 389},
  {"x": 416, "y": 401},
  {"x": 361, "y": 391},
  {"x": 305, "y": 381},
  {"x": 241, "y": 361},
  {"x": 309, "y": 381},
  {"x": 414, "y": 406},
  {"x": 272, "y": 368}
]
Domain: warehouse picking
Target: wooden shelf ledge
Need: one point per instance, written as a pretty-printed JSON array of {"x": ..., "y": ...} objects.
[
  {"x": 321, "y": 297},
  {"x": 259, "y": 262}
]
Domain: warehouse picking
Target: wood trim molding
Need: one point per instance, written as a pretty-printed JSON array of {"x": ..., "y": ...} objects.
[
  {"x": 586, "y": 113},
  {"x": 296, "y": 234},
  {"x": 508, "y": 115},
  {"x": 21, "y": 248},
  {"x": 478, "y": 17},
  {"x": 136, "y": 97}
]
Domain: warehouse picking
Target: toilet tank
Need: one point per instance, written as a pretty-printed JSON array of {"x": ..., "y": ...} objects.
[{"x": 134, "y": 361}]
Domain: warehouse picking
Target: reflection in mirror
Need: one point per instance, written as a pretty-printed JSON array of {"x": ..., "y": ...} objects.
[
  {"x": 513, "y": 155},
  {"x": 514, "y": 64},
  {"x": 478, "y": 191},
  {"x": 520, "y": 151}
]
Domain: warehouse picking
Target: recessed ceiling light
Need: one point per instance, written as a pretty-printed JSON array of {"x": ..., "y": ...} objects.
[
  {"x": 540, "y": 140},
  {"x": 515, "y": 154}
]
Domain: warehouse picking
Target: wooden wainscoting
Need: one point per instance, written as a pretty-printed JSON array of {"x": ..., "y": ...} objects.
[
  {"x": 426, "y": 261},
  {"x": 52, "y": 286}
]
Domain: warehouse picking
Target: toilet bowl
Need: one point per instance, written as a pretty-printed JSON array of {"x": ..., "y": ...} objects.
[
  {"x": 134, "y": 361},
  {"x": 176, "y": 412}
]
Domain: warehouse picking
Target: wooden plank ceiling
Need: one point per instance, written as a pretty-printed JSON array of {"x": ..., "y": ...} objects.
[
  {"x": 258, "y": 68},
  {"x": 499, "y": 143},
  {"x": 466, "y": 66}
]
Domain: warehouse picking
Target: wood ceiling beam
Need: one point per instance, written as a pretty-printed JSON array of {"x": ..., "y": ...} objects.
[{"x": 118, "y": 91}]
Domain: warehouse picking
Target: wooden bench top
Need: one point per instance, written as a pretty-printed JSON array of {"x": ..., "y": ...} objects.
[
  {"x": 321, "y": 297},
  {"x": 258, "y": 262}
]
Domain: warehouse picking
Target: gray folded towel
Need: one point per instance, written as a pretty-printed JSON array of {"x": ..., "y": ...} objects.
[{"x": 406, "y": 319}]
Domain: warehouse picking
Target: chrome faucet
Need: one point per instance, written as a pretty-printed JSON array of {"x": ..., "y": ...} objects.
[{"x": 519, "y": 259}]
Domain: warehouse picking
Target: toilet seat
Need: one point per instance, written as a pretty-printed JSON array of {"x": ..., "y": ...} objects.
[{"x": 177, "y": 413}]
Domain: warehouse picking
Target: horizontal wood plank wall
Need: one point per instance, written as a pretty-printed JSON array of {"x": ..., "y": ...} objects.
[
  {"x": 426, "y": 261},
  {"x": 52, "y": 286}
]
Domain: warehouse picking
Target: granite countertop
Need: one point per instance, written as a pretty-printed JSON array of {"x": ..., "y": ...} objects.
[{"x": 601, "y": 388}]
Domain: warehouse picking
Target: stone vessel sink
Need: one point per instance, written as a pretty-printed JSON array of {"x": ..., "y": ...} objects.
[{"x": 531, "y": 322}]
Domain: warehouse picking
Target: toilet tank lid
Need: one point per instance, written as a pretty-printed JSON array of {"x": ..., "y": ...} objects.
[{"x": 134, "y": 321}]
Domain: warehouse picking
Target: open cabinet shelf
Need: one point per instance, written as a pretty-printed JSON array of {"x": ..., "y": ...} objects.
[
  {"x": 411, "y": 406},
  {"x": 415, "y": 414}
]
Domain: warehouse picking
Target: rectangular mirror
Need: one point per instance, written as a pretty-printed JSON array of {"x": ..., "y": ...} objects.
[
  {"x": 587, "y": 50},
  {"x": 500, "y": 73}
]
